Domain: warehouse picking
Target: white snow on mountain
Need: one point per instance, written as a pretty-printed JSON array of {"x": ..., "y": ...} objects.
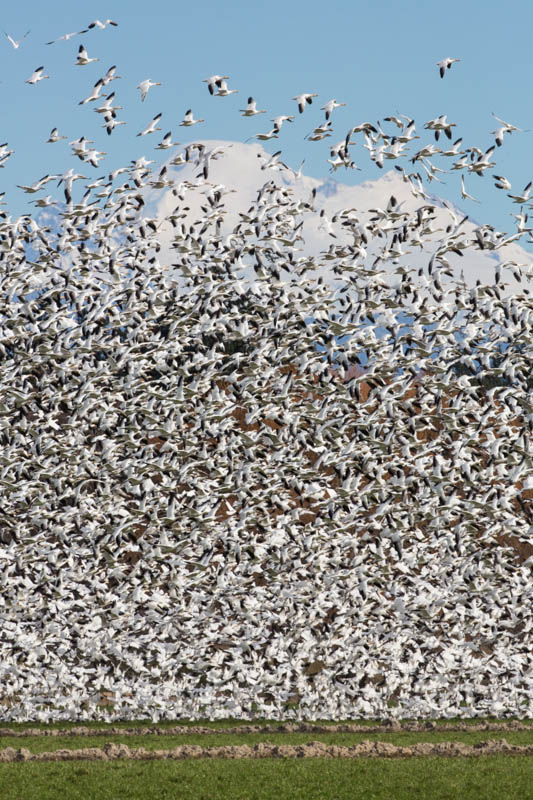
[{"x": 241, "y": 170}]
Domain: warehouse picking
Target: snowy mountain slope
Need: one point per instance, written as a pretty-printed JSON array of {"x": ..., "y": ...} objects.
[{"x": 241, "y": 170}]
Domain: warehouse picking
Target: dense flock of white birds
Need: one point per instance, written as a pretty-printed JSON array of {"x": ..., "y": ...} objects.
[{"x": 231, "y": 486}]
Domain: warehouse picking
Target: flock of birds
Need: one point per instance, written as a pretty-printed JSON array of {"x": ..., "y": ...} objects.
[{"x": 237, "y": 478}]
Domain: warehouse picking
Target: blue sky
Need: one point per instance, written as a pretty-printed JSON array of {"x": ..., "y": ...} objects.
[{"x": 377, "y": 57}]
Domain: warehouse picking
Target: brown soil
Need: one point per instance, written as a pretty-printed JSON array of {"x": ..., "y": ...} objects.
[{"x": 112, "y": 752}]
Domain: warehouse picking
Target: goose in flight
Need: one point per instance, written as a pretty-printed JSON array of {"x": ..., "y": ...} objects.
[
  {"x": 499, "y": 134},
  {"x": 37, "y": 76},
  {"x": 464, "y": 193},
  {"x": 16, "y": 44},
  {"x": 111, "y": 123},
  {"x": 521, "y": 198},
  {"x": 482, "y": 162},
  {"x": 501, "y": 182},
  {"x": 189, "y": 120},
  {"x": 278, "y": 121},
  {"x": 35, "y": 187},
  {"x": 273, "y": 162},
  {"x": 330, "y": 107},
  {"x": 166, "y": 142},
  {"x": 110, "y": 76},
  {"x": 79, "y": 146},
  {"x": 145, "y": 87},
  {"x": 214, "y": 81},
  {"x": 94, "y": 156},
  {"x": 440, "y": 124},
  {"x": 445, "y": 64},
  {"x": 54, "y": 136},
  {"x": 454, "y": 150},
  {"x": 251, "y": 109},
  {"x": 508, "y": 127},
  {"x": 264, "y": 137},
  {"x": 302, "y": 99},
  {"x": 101, "y": 25},
  {"x": 152, "y": 127},
  {"x": 107, "y": 108},
  {"x": 95, "y": 94},
  {"x": 223, "y": 90},
  {"x": 66, "y": 37},
  {"x": 83, "y": 57},
  {"x": 44, "y": 202}
]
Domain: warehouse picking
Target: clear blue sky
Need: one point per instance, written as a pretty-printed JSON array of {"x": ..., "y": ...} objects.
[{"x": 378, "y": 57}]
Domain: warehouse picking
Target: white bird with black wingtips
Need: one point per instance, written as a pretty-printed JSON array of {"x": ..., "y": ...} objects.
[
  {"x": 152, "y": 127},
  {"x": 83, "y": 57},
  {"x": 95, "y": 94},
  {"x": 445, "y": 64},
  {"x": 251, "y": 109},
  {"x": 189, "y": 120},
  {"x": 145, "y": 87},
  {"x": 302, "y": 99},
  {"x": 101, "y": 25},
  {"x": 330, "y": 107},
  {"x": 54, "y": 136},
  {"x": 16, "y": 44},
  {"x": 37, "y": 76},
  {"x": 214, "y": 81}
]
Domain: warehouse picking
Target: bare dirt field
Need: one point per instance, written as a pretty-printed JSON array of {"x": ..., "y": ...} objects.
[{"x": 261, "y": 750}]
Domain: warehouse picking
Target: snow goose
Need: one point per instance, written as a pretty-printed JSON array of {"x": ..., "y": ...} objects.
[
  {"x": 251, "y": 109},
  {"x": 330, "y": 107},
  {"x": 66, "y": 37},
  {"x": 445, "y": 64},
  {"x": 101, "y": 25},
  {"x": 223, "y": 90},
  {"x": 111, "y": 123},
  {"x": 37, "y": 76},
  {"x": 35, "y": 187},
  {"x": 508, "y": 127},
  {"x": 110, "y": 76},
  {"x": 214, "y": 81},
  {"x": 189, "y": 120},
  {"x": 54, "y": 136},
  {"x": 464, "y": 193},
  {"x": 521, "y": 198},
  {"x": 264, "y": 137},
  {"x": 83, "y": 57},
  {"x": 107, "y": 106},
  {"x": 501, "y": 182},
  {"x": 152, "y": 127},
  {"x": 278, "y": 121},
  {"x": 16, "y": 44},
  {"x": 302, "y": 99},
  {"x": 145, "y": 87},
  {"x": 95, "y": 94},
  {"x": 166, "y": 142}
]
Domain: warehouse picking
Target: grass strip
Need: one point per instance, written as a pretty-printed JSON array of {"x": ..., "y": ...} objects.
[
  {"x": 483, "y": 778},
  {"x": 232, "y": 722},
  {"x": 41, "y": 744}
]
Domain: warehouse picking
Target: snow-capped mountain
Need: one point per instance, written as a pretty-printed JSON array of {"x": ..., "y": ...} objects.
[{"x": 241, "y": 170}]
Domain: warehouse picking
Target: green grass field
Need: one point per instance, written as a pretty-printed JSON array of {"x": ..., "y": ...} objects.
[
  {"x": 484, "y": 778},
  {"x": 480, "y": 778}
]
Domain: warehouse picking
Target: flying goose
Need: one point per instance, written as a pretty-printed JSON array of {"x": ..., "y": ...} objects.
[
  {"x": 145, "y": 87},
  {"x": 83, "y": 57},
  {"x": 37, "y": 76},
  {"x": 302, "y": 99},
  {"x": 445, "y": 64},
  {"x": 16, "y": 44}
]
